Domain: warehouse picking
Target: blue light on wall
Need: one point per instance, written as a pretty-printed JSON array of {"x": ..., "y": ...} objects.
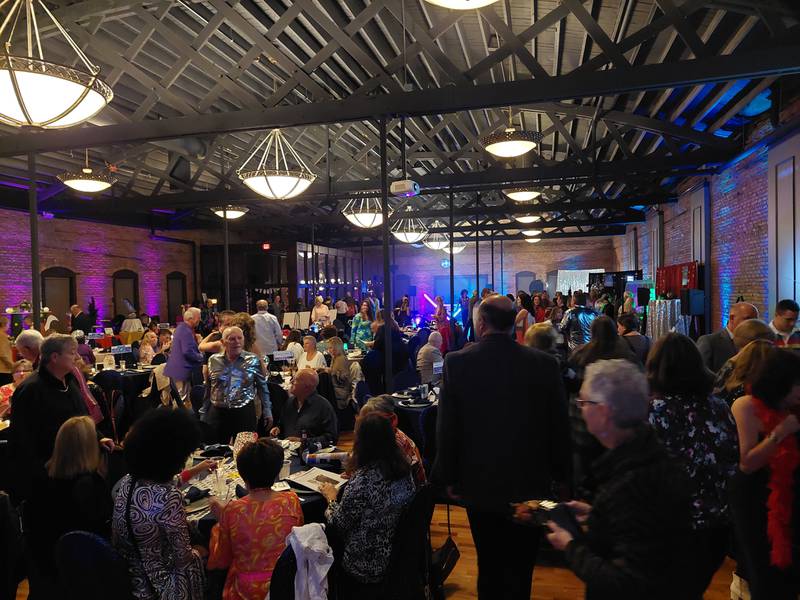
[
  {"x": 758, "y": 104},
  {"x": 445, "y": 263}
]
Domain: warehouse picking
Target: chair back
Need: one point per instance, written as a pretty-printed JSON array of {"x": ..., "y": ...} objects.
[
  {"x": 281, "y": 585},
  {"x": 361, "y": 394},
  {"x": 197, "y": 395},
  {"x": 407, "y": 577},
  {"x": 404, "y": 380},
  {"x": 427, "y": 422},
  {"x": 279, "y": 397},
  {"x": 90, "y": 569}
]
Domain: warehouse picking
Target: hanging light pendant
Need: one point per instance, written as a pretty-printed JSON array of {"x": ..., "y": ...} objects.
[
  {"x": 527, "y": 218},
  {"x": 511, "y": 142},
  {"x": 533, "y": 240},
  {"x": 366, "y": 212},
  {"x": 437, "y": 241},
  {"x": 35, "y": 92},
  {"x": 522, "y": 194},
  {"x": 457, "y": 247},
  {"x": 272, "y": 176},
  {"x": 409, "y": 230},
  {"x": 230, "y": 212},
  {"x": 462, "y": 4},
  {"x": 86, "y": 180},
  {"x": 531, "y": 232}
]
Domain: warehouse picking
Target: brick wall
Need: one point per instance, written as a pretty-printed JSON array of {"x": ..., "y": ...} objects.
[
  {"x": 94, "y": 252},
  {"x": 422, "y": 265}
]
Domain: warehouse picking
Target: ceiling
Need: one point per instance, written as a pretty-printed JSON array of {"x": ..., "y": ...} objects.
[{"x": 585, "y": 74}]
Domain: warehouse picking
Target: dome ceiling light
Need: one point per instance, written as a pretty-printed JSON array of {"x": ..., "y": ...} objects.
[
  {"x": 527, "y": 218},
  {"x": 86, "y": 180},
  {"x": 457, "y": 247},
  {"x": 437, "y": 241},
  {"x": 461, "y": 4},
  {"x": 274, "y": 176},
  {"x": 511, "y": 142},
  {"x": 35, "y": 92},
  {"x": 409, "y": 230},
  {"x": 522, "y": 194},
  {"x": 533, "y": 240},
  {"x": 230, "y": 212},
  {"x": 365, "y": 212},
  {"x": 531, "y": 232}
]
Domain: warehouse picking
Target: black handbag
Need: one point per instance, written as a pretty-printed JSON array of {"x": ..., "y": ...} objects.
[{"x": 444, "y": 559}]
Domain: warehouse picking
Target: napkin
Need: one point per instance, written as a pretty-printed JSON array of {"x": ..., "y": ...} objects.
[{"x": 193, "y": 494}]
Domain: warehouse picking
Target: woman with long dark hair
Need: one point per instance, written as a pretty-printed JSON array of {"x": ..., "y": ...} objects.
[
  {"x": 697, "y": 429},
  {"x": 525, "y": 317},
  {"x": 361, "y": 329},
  {"x": 380, "y": 486}
]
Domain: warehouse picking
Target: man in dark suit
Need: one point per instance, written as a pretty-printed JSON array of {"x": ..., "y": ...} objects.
[
  {"x": 716, "y": 348},
  {"x": 80, "y": 320},
  {"x": 502, "y": 437}
]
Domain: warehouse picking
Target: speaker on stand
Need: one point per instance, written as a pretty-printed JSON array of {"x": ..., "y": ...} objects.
[{"x": 643, "y": 299}]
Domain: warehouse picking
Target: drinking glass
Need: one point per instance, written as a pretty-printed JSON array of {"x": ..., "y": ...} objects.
[{"x": 122, "y": 365}]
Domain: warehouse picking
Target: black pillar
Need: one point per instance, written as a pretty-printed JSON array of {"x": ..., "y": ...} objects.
[
  {"x": 493, "y": 285},
  {"x": 227, "y": 260},
  {"x": 387, "y": 276},
  {"x": 502, "y": 282},
  {"x": 33, "y": 209},
  {"x": 452, "y": 274}
]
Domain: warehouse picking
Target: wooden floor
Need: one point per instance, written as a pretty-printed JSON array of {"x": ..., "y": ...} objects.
[{"x": 549, "y": 583}]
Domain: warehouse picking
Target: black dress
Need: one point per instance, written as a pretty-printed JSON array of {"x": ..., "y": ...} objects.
[{"x": 749, "y": 493}]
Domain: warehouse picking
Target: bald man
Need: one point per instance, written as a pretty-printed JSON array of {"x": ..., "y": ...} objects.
[
  {"x": 307, "y": 412},
  {"x": 716, "y": 348},
  {"x": 502, "y": 435}
]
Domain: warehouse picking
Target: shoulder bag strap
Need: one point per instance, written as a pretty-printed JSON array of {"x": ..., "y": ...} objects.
[{"x": 134, "y": 542}]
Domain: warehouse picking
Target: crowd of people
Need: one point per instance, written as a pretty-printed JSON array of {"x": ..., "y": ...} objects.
[{"x": 666, "y": 455}]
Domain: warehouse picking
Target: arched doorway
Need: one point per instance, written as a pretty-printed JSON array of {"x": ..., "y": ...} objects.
[
  {"x": 126, "y": 292},
  {"x": 59, "y": 292},
  {"x": 176, "y": 295}
]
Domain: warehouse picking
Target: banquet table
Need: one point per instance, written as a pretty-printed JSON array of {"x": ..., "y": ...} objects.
[
  {"x": 131, "y": 383},
  {"x": 409, "y": 415}
]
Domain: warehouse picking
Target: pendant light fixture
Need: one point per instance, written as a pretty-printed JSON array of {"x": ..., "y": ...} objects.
[
  {"x": 273, "y": 176},
  {"x": 230, "y": 212},
  {"x": 531, "y": 232},
  {"x": 533, "y": 240},
  {"x": 437, "y": 241},
  {"x": 35, "y": 92},
  {"x": 462, "y": 4},
  {"x": 522, "y": 194},
  {"x": 527, "y": 218},
  {"x": 409, "y": 230},
  {"x": 457, "y": 247},
  {"x": 365, "y": 212},
  {"x": 511, "y": 142},
  {"x": 86, "y": 180}
]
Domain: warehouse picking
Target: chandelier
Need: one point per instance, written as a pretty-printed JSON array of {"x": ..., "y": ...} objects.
[
  {"x": 462, "y": 4},
  {"x": 522, "y": 194},
  {"x": 531, "y": 232},
  {"x": 272, "y": 176},
  {"x": 35, "y": 92},
  {"x": 365, "y": 212},
  {"x": 409, "y": 230},
  {"x": 87, "y": 180},
  {"x": 457, "y": 247},
  {"x": 511, "y": 142},
  {"x": 527, "y": 218},
  {"x": 230, "y": 212},
  {"x": 437, "y": 241}
]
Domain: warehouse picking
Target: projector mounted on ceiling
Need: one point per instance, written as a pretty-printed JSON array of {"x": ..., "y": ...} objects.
[{"x": 405, "y": 188}]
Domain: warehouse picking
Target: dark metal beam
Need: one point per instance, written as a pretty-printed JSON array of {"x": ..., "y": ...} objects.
[
  {"x": 542, "y": 225},
  {"x": 762, "y": 62},
  {"x": 598, "y": 232}
]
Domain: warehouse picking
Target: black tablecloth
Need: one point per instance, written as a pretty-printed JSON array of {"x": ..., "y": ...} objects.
[
  {"x": 130, "y": 384},
  {"x": 408, "y": 421}
]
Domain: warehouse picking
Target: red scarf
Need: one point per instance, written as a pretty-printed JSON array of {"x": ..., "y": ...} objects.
[{"x": 782, "y": 465}]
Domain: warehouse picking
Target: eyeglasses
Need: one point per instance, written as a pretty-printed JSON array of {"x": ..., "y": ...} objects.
[
  {"x": 581, "y": 403},
  {"x": 23, "y": 371}
]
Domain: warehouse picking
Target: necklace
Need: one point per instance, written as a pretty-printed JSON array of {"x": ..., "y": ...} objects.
[{"x": 66, "y": 388}]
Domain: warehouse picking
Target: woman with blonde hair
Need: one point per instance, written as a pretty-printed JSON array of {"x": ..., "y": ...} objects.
[
  {"x": 147, "y": 347},
  {"x": 340, "y": 372},
  {"x": 311, "y": 357},
  {"x": 742, "y": 368},
  {"x": 73, "y": 497}
]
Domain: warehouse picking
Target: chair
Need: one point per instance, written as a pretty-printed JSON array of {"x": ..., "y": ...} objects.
[
  {"x": 361, "y": 394},
  {"x": 90, "y": 569},
  {"x": 281, "y": 586},
  {"x": 404, "y": 380},
  {"x": 278, "y": 397},
  {"x": 197, "y": 396},
  {"x": 408, "y": 575},
  {"x": 427, "y": 424}
]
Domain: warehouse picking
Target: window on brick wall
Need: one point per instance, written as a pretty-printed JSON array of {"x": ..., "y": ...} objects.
[
  {"x": 126, "y": 292},
  {"x": 58, "y": 292},
  {"x": 176, "y": 295}
]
